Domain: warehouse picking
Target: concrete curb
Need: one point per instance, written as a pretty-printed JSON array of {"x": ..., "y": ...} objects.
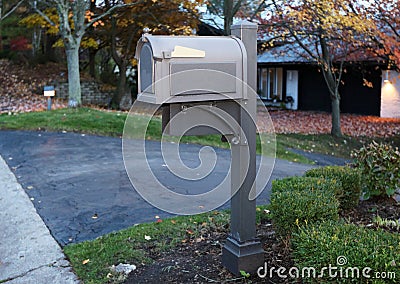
[{"x": 28, "y": 252}]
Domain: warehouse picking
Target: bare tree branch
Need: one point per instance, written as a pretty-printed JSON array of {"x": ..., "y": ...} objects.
[
  {"x": 258, "y": 10},
  {"x": 44, "y": 16},
  {"x": 236, "y": 7},
  {"x": 11, "y": 10}
]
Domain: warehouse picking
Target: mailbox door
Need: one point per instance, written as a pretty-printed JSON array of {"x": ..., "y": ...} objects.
[{"x": 146, "y": 69}]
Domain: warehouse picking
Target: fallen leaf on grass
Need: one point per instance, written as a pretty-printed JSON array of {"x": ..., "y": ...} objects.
[
  {"x": 173, "y": 221},
  {"x": 190, "y": 232},
  {"x": 85, "y": 261}
]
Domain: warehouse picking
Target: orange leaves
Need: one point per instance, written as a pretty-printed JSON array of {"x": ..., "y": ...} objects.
[
  {"x": 367, "y": 83},
  {"x": 308, "y": 122},
  {"x": 88, "y": 15},
  {"x": 333, "y": 18}
]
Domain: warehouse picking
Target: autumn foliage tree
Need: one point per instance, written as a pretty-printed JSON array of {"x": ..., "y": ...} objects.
[
  {"x": 7, "y": 8},
  {"x": 386, "y": 15},
  {"x": 74, "y": 18},
  {"x": 169, "y": 17},
  {"x": 326, "y": 32}
]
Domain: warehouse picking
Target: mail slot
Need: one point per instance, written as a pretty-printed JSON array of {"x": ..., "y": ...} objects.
[{"x": 176, "y": 69}]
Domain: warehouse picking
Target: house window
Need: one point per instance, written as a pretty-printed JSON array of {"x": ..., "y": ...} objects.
[{"x": 270, "y": 83}]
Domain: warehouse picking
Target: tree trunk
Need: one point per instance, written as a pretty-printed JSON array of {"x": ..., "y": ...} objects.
[
  {"x": 228, "y": 16},
  {"x": 74, "y": 80},
  {"x": 336, "y": 130},
  {"x": 116, "y": 100}
]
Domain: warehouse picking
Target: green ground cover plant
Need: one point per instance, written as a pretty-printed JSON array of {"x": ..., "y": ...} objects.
[{"x": 379, "y": 164}]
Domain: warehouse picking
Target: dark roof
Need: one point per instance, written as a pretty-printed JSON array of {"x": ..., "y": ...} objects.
[
  {"x": 205, "y": 29},
  {"x": 282, "y": 54},
  {"x": 292, "y": 53}
]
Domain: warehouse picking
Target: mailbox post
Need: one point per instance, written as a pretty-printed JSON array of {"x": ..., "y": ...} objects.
[{"x": 242, "y": 251}]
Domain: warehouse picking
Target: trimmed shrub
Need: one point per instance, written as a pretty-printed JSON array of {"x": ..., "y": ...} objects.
[
  {"x": 302, "y": 183},
  {"x": 349, "y": 178},
  {"x": 314, "y": 183},
  {"x": 296, "y": 202},
  {"x": 380, "y": 168},
  {"x": 346, "y": 246}
]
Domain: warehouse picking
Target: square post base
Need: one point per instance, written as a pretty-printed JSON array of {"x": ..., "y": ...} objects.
[{"x": 247, "y": 256}]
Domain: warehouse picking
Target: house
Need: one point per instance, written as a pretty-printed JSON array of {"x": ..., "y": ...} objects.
[
  {"x": 390, "y": 94},
  {"x": 285, "y": 77}
]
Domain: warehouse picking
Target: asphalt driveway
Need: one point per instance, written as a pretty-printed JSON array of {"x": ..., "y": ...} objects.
[{"x": 79, "y": 186}]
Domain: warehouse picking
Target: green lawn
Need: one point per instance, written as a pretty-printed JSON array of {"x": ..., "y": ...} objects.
[{"x": 83, "y": 120}]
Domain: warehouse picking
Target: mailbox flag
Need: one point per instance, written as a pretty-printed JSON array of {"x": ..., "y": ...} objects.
[{"x": 181, "y": 51}]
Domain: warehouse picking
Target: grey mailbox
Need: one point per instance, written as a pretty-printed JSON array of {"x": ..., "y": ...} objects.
[{"x": 216, "y": 68}]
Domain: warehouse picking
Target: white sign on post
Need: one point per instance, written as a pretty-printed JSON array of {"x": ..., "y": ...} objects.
[{"x": 49, "y": 91}]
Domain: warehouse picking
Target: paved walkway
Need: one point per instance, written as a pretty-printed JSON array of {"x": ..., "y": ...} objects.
[
  {"x": 28, "y": 253},
  {"x": 78, "y": 185}
]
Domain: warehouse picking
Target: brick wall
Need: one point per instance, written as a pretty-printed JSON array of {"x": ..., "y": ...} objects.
[{"x": 92, "y": 93}]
